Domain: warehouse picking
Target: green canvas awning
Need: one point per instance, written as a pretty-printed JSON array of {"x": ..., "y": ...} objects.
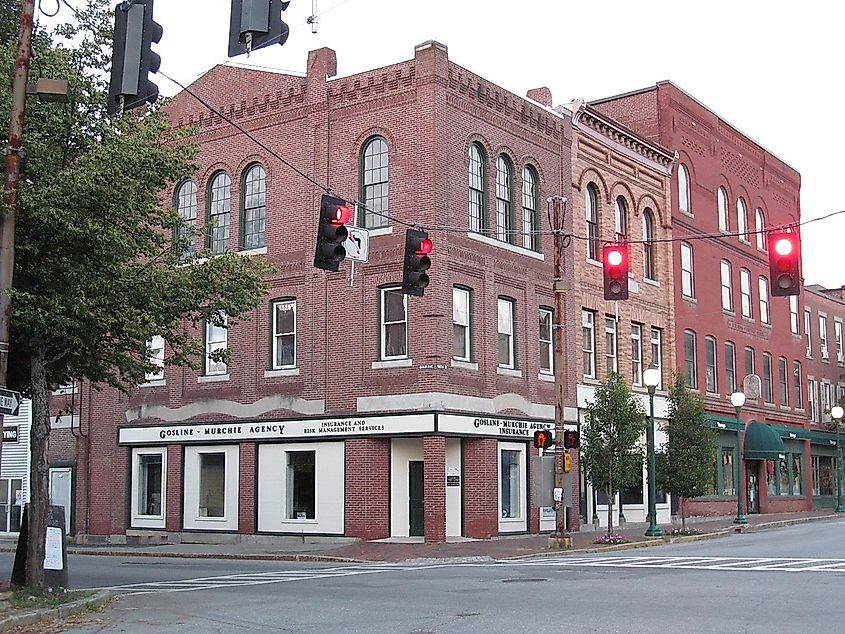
[{"x": 762, "y": 442}]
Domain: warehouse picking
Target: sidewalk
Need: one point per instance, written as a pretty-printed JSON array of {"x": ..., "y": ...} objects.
[{"x": 394, "y": 550}]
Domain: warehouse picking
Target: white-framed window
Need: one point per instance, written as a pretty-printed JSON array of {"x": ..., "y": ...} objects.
[
  {"x": 530, "y": 237},
  {"x": 219, "y": 202},
  {"x": 546, "y": 340},
  {"x": 477, "y": 195},
  {"x": 745, "y": 292},
  {"x": 742, "y": 219},
  {"x": 211, "y": 487},
  {"x": 636, "y": 354},
  {"x": 722, "y": 204},
  {"x": 588, "y": 343},
  {"x": 504, "y": 200},
  {"x": 11, "y": 504},
  {"x": 620, "y": 213},
  {"x": 394, "y": 323},
  {"x": 827, "y": 401},
  {"x": 216, "y": 338},
  {"x": 186, "y": 207},
  {"x": 506, "y": 320},
  {"x": 683, "y": 189},
  {"x": 794, "y": 327},
  {"x": 727, "y": 286},
  {"x": 730, "y": 367},
  {"x": 657, "y": 352},
  {"x": 148, "y": 497},
  {"x": 689, "y": 359},
  {"x": 823, "y": 336},
  {"x": 254, "y": 207},
  {"x": 760, "y": 229},
  {"x": 591, "y": 211},
  {"x": 155, "y": 355},
  {"x": 284, "y": 334},
  {"x": 649, "y": 250},
  {"x": 375, "y": 183},
  {"x": 461, "y": 332},
  {"x": 782, "y": 381},
  {"x": 763, "y": 289},
  {"x": 768, "y": 395},
  {"x": 687, "y": 287},
  {"x": 837, "y": 334},
  {"x": 513, "y": 494},
  {"x": 710, "y": 364},
  {"x": 813, "y": 400},
  {"x": 301, "y": 494},
  {"x": 797, "y": 384},
  {"x": 808, "y": 332},
  {"x": 611, "y": 343},
  {"x": 749, "y": 360}
]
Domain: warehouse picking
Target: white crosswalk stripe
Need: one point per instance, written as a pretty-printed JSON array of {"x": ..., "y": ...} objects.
[{"x": 767, "y": 564}]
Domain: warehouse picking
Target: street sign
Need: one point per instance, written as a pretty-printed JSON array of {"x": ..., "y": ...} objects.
[
  {"x": 357, "y": 244},
  {"x": 10, "y": 402}
]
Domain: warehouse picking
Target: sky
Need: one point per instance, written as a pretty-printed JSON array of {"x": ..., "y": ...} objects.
[{"x": 767, "y": 67}]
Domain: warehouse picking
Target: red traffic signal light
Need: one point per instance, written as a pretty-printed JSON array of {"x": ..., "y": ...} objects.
[
  {"x": 784, "y": 263},
  {"x": 571, "y": 439},
  {"x": 417, "y": 262},
  {"x": 543, "y": 438},
  {"x": 331, "y": 233},
  {"x": 615, "y": 270}
]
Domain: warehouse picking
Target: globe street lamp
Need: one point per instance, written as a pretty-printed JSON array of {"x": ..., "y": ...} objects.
[
  {"x": 738, "y": 400},
  {"x": 836, "y": 414},
  {"x": 651, "y": 377}
]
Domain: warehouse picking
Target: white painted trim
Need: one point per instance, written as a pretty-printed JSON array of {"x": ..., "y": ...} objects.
[
  {"x": 269, "y": 374},
  {"x": 250, "y": 252},
  {"x": 546, "y": 378},
  {"x": 392, "y": 363},
  {"x": 466, "y": 365},
  {"x": 509, "y": 372},
  {"x": 381, "y": 231},
  {"x": 456, "y": 402},
  {"x": 213, "y": 378},
  {"x": 157, "y": 383},
  {"x": 507, "y": 246},
  {"x": 148, "y": 521}
]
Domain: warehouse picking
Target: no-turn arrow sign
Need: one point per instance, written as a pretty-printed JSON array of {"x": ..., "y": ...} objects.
[{"x": 10, "y": 402}]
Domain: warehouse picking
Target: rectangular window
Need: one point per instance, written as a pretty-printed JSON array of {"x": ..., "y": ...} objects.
[
  {"x": 745, "y": 292},
  {"x": 793, "y": 314},
  {"x": 812, "y": 400},
  {"x": 749, "y": 360},
  {"x": 610, "y": 344},
  {"x": 461, "y": 335},
  {"x": 763, "y": 288},
  {"x": 10, "y": 508},
  {"x": 150, "y": 491},
  {"x": 837, "y": 334},
  {"x": 216, "y": 338},
  {"x": 728, "y": 471},
  {"x": 710, "y": 364},
  {"x": 284, "y": 334},
  {"x": 808, "y": 334},
  {"x": 784, "y": 386},
  {"x": 730, "y": 367},
  {"x": 689, "y": 358},
  {"x": 797, "y": 470},
  {"x": 636, "y": 354},
  {"x": 823, "y": 336},
  {"x": 823, "y": 475},
  {"x": 588, "y": 343},
  {"x": 155, "y": 355},
  {"x": 687, "y": 289},
  {"x": 767, "y": 378},
  {"x": 510, "y": 485},
  {"x": 797, "y": 384},
  {"x": 212, "y": 485},
  {"x": 507, "y": 346},
  {"x": 657, "y": 353},
  {"x": 301, "y": 492},
  {"x": 827, "y": 398},
  {"x": 394, "y": 324},
  {"x": 727, "y": 289},
  {"x": 546, "y": 341}
]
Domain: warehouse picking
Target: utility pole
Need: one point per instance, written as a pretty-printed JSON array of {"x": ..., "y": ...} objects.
[
  {"x": 11, "y": 181},
  {"x": 560, "y": 286}
]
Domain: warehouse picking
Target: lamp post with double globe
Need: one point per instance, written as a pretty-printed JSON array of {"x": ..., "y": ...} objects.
[
  {"x": 738, "y": 400},
  {"x": 836, "y": 414},
  {"x": 651, "y": 377}
]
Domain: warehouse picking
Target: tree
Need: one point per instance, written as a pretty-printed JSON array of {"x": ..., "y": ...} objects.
[
  {"x": 612, "y": 440},
  {"x": 685, "y": 464},
  {"x": 96, "y": 274}
]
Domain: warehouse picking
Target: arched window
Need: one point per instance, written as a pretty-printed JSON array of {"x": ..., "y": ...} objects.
[
  {"x": 254, "y": 206},
  {"x": 374, "y": 183},
  {"x": 620, "y": 213},
  {"x": 591, "y": 208},
  {"x": 186, "y": 207},
  {"x": 741, "y": 220},
  {"x": 760, "y": 228},
  {"x": 476, "y": 189},
  {"x": 219, "y": 207},
  {"x": 504, "y": 199},
  {"x": 722, "y": 201},
  {"x": 530, "y": 238},
  {"x": 683, "y": 189},
  {"x": 649, "y": 253}
]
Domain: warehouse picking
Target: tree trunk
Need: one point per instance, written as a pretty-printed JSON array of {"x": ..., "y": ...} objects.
[{"x": 39, "y": 475}]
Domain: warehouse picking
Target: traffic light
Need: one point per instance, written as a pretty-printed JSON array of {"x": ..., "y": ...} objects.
[
  {"x": 255, "y": 24},
  {"x": 543, "y": 438},
  {"x": 615, "y": 270},
  {"x": 785, "y": 263},
  {"x": 417, "y": 262},
  {"x": 133, "y": 59},
  {"x": 571, "y": 439},
  {"x": 331, "y": 233}
]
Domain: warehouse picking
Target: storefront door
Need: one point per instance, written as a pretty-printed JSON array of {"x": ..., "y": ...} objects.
[
  {"x": 753, "y": 487},
  {"x": 416, "y": 499},
  {"x": 60, "y": 491}
]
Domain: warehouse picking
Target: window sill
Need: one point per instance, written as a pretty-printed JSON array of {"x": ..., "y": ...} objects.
[
  {"x": 269, "y": 374},
  {"x": 688, "y": 214},
  {"x": 728, "y": 312},
  {"x": 379, "y": 231},
  {"x": 466, "y": 365},
  {"x": 213, "y": 378},
  {"x": 748, "y": 319},
  {"x": 392, "y": 363},
  {"x": 64, "y": 390},
  {"x": 766, "y": 324},
  {"x": 154, "y": 383},
  {"x": 590, "y": 380},
  {"x": 509, "y": 372},
  {"x": 507, "y": 246},
  {"x": 256, "y": 251},
  {"x": 595, "y": 263},
  {"x": 546, "y": 378},
  {"x": 654, "y": 283},
  {"x": 691, "y": 300}
]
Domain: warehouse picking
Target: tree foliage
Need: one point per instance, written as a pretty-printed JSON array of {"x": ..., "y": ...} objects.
[{"x": 611, "y": 440}]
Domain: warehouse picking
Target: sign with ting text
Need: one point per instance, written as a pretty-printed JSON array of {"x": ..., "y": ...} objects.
[{"x": 491, "y": 426}]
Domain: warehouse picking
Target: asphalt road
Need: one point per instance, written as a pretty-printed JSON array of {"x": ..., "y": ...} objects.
[{"x": 789, "y": 580}]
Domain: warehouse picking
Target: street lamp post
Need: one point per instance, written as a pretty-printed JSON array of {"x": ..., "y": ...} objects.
[
  {"x": 836, "y": 414},
  {"x": 738, "y": 400},
  {"x": 651, "y": 377}
]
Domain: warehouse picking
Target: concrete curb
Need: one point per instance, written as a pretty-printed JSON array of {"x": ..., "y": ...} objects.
[{"x": 31, "y": 617}]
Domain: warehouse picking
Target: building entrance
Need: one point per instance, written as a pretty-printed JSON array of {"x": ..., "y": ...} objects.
[{"x": 416, "y": 499}]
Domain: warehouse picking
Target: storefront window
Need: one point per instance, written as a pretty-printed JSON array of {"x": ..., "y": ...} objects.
[
  {"x": 728, "y": 471},
  {"x": 149, "y": 484},
  {"x": 823, "y": 475},
  {"x": 796, "y": 473},
  {"x": 633, "y": 494},
  {"x": 10, "y": 504},
  {"x": 510, "y": 484},
  {"x": 212, "y": 502},
  {"x": 771, "y": 479},
  {"x": 300, "y": 485},
  {"x": 784, "y": 476}
]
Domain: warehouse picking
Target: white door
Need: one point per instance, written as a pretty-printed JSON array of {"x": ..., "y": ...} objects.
[{"x": 60, "y": 491}]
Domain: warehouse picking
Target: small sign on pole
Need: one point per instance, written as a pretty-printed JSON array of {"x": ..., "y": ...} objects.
[
  {"x": 357, "y": 244},
  {"x": 10, "y": 402}
]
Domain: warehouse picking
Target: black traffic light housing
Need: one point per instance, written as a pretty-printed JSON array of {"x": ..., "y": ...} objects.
[
  {"x": 543, "y": 439},
  {"x": 615, "y": 270},
  {"x": 571, "y": 439},
  {"x": 784, "y": 262},
  {"x": 417, "y": 262},
  {"x": 255, "y": 24},
  {"x": 133, "y": 59},
  {"x": 331, "y": 233}
]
